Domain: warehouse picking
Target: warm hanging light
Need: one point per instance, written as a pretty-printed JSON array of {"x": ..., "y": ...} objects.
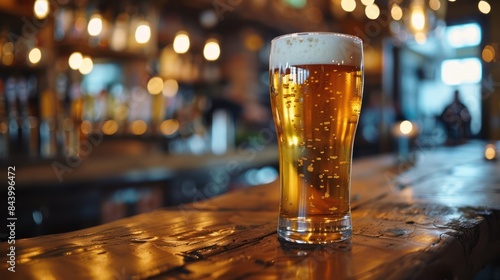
[
  {"x": 211, "y": 51},
  {"x": 35, "y": 55},
  {"x": 181, "y": 42},
  {"x": 95, "y": 25},
  {"x": 75, "y": 60},
  {"x": 396, "y": 12},
  {"x": 372, "y": 11},
  {"x": 348, "y": 5},
  {"x": 41, "y": 9},
  {"x": 484, "y": 7},
  {"x": 417, "y": 19},
  {"x": 143, "y": 33}
]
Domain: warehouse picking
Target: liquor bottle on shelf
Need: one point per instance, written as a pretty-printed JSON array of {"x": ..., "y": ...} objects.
[{"x": 48, "y": 124}]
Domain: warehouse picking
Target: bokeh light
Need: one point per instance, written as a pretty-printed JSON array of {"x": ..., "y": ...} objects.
[
  {"x": 372, "y": 11},
  {"x": 75, "y": 60},
  {"x": 211, "y": 51},
  {"x": 155, "y": 85},
  {"x": 138, "y": 127},
  {"x": 406, "y": 127},
  {"x": 181, "y": 42},
  {"x": 35, "y": 55},
  {"x": 170, "y": 88},
  {"x": 109, "y": 127},
  {"x": 488, "y": 53},
  {"x": 484, "y": 7},
  {"x": 169, "y": 127},
  {"x": 95, "y": 25},
  {"x": 87, "y": 65},
  {"x": 143, "y": 33},
  {"x": 348, "y": 5},
  {"x": 41, "y": 9},
  {"x": 396, "y": 12}
]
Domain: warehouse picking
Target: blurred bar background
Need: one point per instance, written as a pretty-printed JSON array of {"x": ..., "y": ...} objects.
[{"x": 113, "y": 108}]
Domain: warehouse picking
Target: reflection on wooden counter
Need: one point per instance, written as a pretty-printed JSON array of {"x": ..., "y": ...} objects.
[
  {"x": 121, "y": 178},
  {"x": 438, "y": 220}
]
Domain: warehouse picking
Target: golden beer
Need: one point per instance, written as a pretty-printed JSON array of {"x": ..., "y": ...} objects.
[{"x": 316, "y": 108}]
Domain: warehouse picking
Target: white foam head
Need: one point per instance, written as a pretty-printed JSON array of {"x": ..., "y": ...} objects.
[{"x": 316, "y": 48}]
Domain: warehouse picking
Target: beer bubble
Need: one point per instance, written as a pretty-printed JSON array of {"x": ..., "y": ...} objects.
[
  {"x": 321, "y": 187},
  {"x": 317, "y": 140},
  {"x": 332, "y": 209},
  {"x": 333, "y": 157},
  {"x": 320, "y": 176},
  {"x": 327, "y": 194},
  {"x": 310, "y": 168},
  {"x": 301, "y": 175},
  {"x": 330, "y": 177},
  {"x": 318, "y": 158},
  {"x": 335, "y": 176}
]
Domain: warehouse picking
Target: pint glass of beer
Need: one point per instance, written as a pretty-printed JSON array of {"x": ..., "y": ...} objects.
[{"x": 316, "y": 87}]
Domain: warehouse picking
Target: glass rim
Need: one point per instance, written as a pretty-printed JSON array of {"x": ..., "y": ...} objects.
[{"x": 321, "y": 33}]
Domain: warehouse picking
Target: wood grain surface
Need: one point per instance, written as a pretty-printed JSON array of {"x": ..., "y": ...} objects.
[{"x": 437, "y": 219}]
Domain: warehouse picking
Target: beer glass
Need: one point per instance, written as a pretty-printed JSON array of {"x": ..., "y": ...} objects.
[{"x": 316, "y": 87}]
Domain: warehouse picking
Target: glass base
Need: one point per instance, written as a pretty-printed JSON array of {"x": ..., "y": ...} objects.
[{"x": 315, "y": 231}]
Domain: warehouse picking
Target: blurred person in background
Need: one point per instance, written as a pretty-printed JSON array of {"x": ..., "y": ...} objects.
[{"x": 456, "y": 119}]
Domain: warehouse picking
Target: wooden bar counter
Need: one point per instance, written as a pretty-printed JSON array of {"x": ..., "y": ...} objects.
[{"x": 437, "y": 219}]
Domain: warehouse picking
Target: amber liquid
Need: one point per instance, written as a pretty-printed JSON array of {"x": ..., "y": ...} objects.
[{"x": 316, "y": 110}]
